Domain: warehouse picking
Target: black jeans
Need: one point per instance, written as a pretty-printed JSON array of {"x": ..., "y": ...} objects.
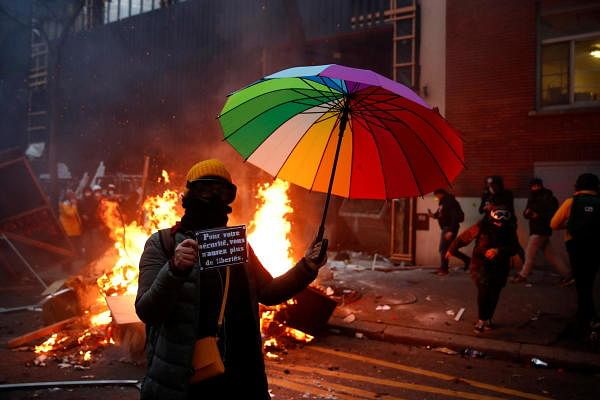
[
  {"x": 585, "y": 263},
  {"x": 488, "y": 295},
  {"x": 443, "y": 249},
  {"x": 491, "y": 279}
]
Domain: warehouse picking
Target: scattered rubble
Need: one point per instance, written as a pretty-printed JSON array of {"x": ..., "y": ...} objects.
[
  {"x": 536, "y": 362},
  {"x": 469, "y": 352},
  {"x": 445, "y": 350},
  {"x": 350, "y": 318},
  {"x": 459, "y": 314}
]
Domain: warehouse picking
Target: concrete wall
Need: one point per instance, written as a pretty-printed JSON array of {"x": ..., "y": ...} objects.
[{"x": 432, "y": 54}]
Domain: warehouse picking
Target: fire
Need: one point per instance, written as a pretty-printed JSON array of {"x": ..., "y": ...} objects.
[
  {"x": 104, "y": 318},
  {"x": 50, "y": 343},
  {"x": 270, "y": 229},
  {"x": 164, "y": 177},
  {"x": 269, "y": 236},
  {"x": 160, "y": 213}
]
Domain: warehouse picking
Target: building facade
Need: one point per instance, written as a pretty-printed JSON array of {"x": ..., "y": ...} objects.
[{"x": 522, "y": 83}]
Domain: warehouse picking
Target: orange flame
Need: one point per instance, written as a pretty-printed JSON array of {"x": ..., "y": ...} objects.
[
  {"x": 269, "y": 236},
  {"x": 270, "y": 229},
  {"x": 160, "y": 213}
]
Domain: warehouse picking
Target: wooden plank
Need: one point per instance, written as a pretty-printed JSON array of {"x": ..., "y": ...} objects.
[
  {"x": 53, "y": 288},
  {"x": 39, "y": 333},
  {"x": 122, "y": 309},
  {"x": 40, "y": 245}
]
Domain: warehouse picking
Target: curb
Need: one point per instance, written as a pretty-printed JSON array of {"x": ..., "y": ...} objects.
[{"x": 555, "y": 356}]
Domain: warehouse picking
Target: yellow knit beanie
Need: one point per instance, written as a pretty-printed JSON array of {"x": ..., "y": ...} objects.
[{"x": 212, "y": 167}]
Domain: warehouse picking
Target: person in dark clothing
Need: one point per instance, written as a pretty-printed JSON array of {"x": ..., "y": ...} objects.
[
  {"x": 580, "y": 216},
  {"x": 540, "y": 208},
  {"x": 495, "y": 194},
  {"x": 181, "y": 304},
  {"x": 496, "y": 242},
  {"x": 90, "y": 223},
  {"x": 449, "y": 216}
]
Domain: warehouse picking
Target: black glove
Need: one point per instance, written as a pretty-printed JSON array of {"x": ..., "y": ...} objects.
[{"x": 316, "y": 254}]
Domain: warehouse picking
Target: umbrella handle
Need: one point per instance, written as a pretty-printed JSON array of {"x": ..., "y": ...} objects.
[
  {"x": 343, "y": 122},
  {"x": 321, "y": 232}
]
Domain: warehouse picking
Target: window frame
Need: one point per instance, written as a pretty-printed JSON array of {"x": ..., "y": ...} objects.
[{"x": 571, "y": 39}]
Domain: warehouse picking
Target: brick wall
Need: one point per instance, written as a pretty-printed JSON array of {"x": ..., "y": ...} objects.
[{"x": 490, "y": 92}]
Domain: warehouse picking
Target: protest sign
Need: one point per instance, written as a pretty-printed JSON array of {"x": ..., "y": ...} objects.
[{"x": 222, "y": 247}]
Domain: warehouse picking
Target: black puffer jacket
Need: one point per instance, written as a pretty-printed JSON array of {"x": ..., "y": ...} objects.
[
  {"x": 449, "y": 214},
  {"x": 544, "y": 204},
  {"x": 169, "y": 304}
]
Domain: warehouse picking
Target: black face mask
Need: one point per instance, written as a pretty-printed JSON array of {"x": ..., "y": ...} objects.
[{"x": 204, "y": 213}]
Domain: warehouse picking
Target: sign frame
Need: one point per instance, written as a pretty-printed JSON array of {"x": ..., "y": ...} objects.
[{"x": 216, "y": 249}]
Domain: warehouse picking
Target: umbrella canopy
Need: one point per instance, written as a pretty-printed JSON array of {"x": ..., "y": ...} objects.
[{"x": 379, "y": 138}]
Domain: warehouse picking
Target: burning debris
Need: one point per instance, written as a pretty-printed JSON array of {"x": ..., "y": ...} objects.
[{"x": 77, "y": 344}]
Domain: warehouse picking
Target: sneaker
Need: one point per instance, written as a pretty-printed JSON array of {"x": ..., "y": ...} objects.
[
  {"x": 467, "y": 265},
  {"x": 518, "y": 278},
  {"x": 487, "y": 325},
  {"x": 564, "y": 282},
  {"x": 479, "y": 326}
]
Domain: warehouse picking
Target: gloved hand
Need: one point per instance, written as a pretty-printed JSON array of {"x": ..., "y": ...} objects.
[
  {"x": 186, "y": 256},
  {"x": 316, "y": 254}
]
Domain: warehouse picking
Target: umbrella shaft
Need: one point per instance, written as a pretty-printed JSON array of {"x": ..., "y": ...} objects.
[{"x": 343, "y": 121}]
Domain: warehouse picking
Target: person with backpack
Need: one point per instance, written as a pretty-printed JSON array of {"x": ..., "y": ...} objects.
[
  {"x": 495, "y": 238},
  {"x": 580, "y": 216},
  {"x": 202, "y": 326},
  {"x": 541, "y": 206},
  {"x": 449, "y": 216}
]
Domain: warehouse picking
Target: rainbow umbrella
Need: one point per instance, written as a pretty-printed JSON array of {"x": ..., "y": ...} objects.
[{"x": 341, "y": 130}]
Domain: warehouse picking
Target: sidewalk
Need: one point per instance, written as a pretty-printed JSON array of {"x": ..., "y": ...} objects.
[{"x": 530, "y": 319}]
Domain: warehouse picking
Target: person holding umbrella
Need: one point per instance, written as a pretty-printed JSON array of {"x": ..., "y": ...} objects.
[{"x": 181, "y": 305}]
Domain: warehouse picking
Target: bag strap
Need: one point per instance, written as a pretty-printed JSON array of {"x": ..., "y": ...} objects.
[
  {"x": 225, "y": 294},
  {"x": 167, "y": 242}
]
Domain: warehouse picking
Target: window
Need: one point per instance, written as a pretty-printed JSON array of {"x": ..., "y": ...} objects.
[{"x": 569, "y": 73}]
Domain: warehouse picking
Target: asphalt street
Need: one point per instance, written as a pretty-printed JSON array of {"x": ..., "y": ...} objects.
[{"x": 338, "y": 367}]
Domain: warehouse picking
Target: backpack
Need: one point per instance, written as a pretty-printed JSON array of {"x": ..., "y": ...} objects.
[
  {"x": 584, "y": 219},
  {"x": 167, "y": 244}
]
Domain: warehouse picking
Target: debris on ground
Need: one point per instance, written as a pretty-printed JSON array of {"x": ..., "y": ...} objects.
[
  {"x": 536, "y": 362},
  {"x": 383, "y": 307},
  {"x": 450, "y": 313},
  {"x": 445, "y": 350},
  {"x": 359, "y": 335},
  {"x": 469, "y": 352},
  {"x": 350, "y": 318},
  {"x": 459, "y": 314}
]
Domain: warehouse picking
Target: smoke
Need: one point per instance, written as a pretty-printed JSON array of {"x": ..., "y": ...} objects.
[{"x": 153, "y": 84}]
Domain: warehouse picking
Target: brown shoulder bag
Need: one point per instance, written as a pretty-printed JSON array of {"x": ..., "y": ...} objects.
[{"x": 207, "y": 362}]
